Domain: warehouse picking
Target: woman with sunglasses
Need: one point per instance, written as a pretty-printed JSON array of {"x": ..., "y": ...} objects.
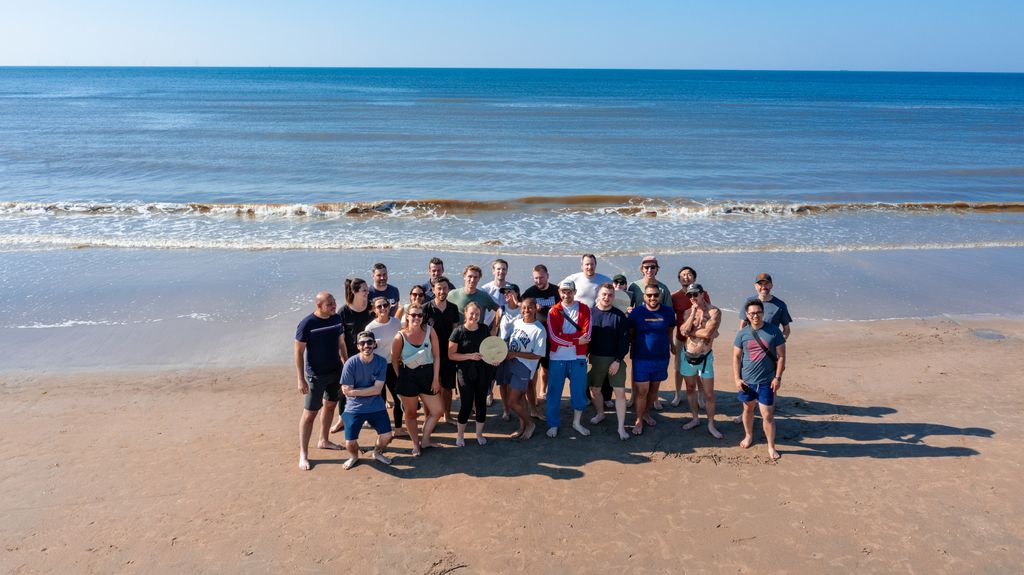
[
  {"x": 416, "y": 359},
  {"x": 355, "y": 315},
  {"x": 473, "y": 374},
  {"x": 417, "y": 295},
  {"x": 384, "y": 328}
]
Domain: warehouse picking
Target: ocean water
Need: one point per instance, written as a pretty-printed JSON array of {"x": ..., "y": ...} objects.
[{"x": 527, "y": 162}]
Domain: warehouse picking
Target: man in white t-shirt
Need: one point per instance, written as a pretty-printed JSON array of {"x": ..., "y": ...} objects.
[{"x": 588, "y": 281}]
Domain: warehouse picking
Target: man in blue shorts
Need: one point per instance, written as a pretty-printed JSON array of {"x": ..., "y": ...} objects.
[
  {"x": 758, "y": 360},
  {"x": 362, "y": 380},
  {"x": 652, "y": 324},
  {"x": 319, "y": 352}
]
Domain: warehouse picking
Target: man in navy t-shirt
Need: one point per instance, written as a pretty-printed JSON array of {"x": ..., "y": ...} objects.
[
  {"x": 758, "y": 360},
  {"x": 652, "y": 324},
  {"x": 381, "y": 288},
  {"x": 319, "y": 352}
]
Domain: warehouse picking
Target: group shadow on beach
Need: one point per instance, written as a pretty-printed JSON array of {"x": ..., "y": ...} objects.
[{"x": 805, "y": 428}]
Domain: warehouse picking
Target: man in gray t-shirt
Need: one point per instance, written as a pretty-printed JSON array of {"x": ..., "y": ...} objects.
[{"x": 758, "y": 360}]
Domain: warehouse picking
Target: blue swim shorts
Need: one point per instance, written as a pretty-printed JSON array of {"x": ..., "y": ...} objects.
[
  {"x": 650, "y": 370},
  {"x": 379, "y": 420},
  {"x": 762, "y": 393}
]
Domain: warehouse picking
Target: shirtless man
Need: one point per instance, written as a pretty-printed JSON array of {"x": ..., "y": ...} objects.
[
  {"x": 697, "y": 362},
  {"x": 681, "y": 303}
]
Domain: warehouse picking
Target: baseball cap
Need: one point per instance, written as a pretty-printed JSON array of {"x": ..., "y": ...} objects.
[
  {"x": 763, "y": 277},
  {"x": 694, "y": 289},
  {"x": 567, "y": 284},
  {"x": 619, "y": 278},
  {"x": 366, "y": 335},
  {"x": 509, "y": 287},
  {"x": 649, "y": 260}
]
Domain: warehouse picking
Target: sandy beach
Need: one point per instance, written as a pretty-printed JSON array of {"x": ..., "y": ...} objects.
[{"x": 899, "y": 442}]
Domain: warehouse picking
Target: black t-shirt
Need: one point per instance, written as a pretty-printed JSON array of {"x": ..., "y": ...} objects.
[
  {"x": 321, "y": 338},
  {"x": 546, "y": 299},
  {"x": 469, "y": 341},
  {"x": 355, "y": 322},
  {"x": 441, "y": 322}
]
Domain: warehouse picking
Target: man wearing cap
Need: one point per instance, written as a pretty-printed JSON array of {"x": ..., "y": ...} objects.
[
  {"x": 362, "y": 380},
  {"x": 648, "y": 276},
  {"x": 652, "y": 324},
  {"x": 620, "y": 283},
  {"x": 758, "y": 361},
  {"x": 319, "y": 353},
  {"x": 568, "y": 336},
  {"x": 609, "y": 345},
  {"x": 681, "y": 303},
  {"x": 649, "y": 270},
  {"x": 776, "y": 312},
  {"x": 698, "y": 332},
  {"x": 587, "y": 280}
]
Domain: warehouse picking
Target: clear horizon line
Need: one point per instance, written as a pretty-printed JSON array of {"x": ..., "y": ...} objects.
[{"x": 513, "y": 68}]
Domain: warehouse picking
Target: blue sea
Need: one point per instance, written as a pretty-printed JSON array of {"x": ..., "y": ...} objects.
[{"x": 523, "y": 162}]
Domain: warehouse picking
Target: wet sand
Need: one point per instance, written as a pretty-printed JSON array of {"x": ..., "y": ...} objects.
[{"x": 900, "y": 443}]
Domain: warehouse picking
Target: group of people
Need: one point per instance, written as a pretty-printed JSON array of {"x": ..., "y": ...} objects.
[{"x": 423, "y": 350}]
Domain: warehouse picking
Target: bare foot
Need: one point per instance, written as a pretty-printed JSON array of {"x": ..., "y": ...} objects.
[
  {"x": 338, "y": 426},
  {"x": 530, "y": 428},
  {"x": 539, "y": 415},
  {"x": 416, "y": 451},
  {"x": 352, "y": 461},
  {"x": 552, "y": 432},
  {"x": 622, "y": 434},
  {"x": 597, "y": 419},
  {"x": 747, "y": 441},
  {"x": 657, "y": 405},
  {"x": 381, "y": 457},
  {"x": 581, "y": 430},
  {"x": 774, "y": 455},
  {"x": 505, "y": 416},
  {"x": 629, "y": 404},
  {"x": 427, "y": 444},
  {"x": 490, "y": 400},
  {"x": 324, "y": 444},
  {"x": 481, "y": 440},
  {"x": 691, "y": 424},
  {"x": 401, "y": 432},
  {"x": 304, "y": 463},
  {"x": 460, "y": 441},
  {"x": 650, "y": 420},
  {"x": 738, "y": 420},
  {"x": 675, "y": 401},
  {"x": 638, "y": 428},
  {"x": 517, "y": 433},
  {"x": 714, "y": 432}
]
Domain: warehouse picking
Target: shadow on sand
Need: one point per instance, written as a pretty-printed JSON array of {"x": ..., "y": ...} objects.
[{"x": 803, "y": 428}]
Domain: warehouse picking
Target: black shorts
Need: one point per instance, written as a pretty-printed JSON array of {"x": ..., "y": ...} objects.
[
  {"x": 447, "y": 373},
  {"x": 322, "y": 387},
  {"x": 416, "y": 381}
]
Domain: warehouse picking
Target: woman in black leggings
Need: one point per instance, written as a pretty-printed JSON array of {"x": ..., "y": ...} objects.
[{"x": 473, "y": 374}]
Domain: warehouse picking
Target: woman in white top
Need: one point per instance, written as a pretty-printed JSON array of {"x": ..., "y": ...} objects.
[
  {"x": 384, "y": 327},
  {"x": 416, "y": 359}
]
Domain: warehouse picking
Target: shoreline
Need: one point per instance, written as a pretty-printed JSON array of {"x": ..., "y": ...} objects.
[{"x": 194, "y": 469}]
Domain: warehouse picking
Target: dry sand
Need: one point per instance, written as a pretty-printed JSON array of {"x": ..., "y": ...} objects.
[{"x": 900, "y": 442}]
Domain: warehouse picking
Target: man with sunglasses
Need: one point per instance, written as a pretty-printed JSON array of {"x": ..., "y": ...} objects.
[
  {"x": 319, "y": 353},
  {"x": 362, "y": 379},
  {"x": 758, "y": 361},
  {"x": 648, "y": 277},
  {"x": 652, "y": 325},
  {"x": 696, "y": 360}
]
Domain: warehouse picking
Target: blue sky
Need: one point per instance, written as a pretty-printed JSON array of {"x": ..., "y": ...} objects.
[{"x": 935, "y": 35}]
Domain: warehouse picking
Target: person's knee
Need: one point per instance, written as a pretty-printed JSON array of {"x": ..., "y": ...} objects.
[{"x": 308, "y": 415}]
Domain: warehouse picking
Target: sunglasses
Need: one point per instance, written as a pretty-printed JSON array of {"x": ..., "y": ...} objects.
[
  {"x": 755, "y": 313},
  {"x": 382, "y": 306},
  {"x": 619, "y": 283},
  {"x": 650, "y": 267},
  {"x": 417, "y": 294},
  {"x": 366, "y": 342},
  {"x": 412, "y": 315},
  {"x": 698, "y": 294},
  {"x": 652, "y": 295}
]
